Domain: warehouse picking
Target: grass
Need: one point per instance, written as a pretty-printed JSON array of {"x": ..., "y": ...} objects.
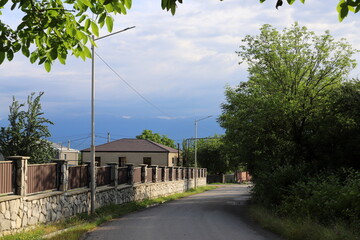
[
  {"x": 300, "y": 229},
  {"x": 82, "y": 223}
]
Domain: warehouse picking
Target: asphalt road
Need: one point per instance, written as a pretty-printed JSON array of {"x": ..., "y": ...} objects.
[{"x": 212, "y": 215}]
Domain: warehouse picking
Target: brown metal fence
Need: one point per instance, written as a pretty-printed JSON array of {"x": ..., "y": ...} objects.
[
  {"x": 167, "y": 175},
  {"x": 160, "y": 175},
  {"x": 78, "y": 176},
  {"x": 137, "y": 175},
  {"x": 123, "y": 175},
  {"x": 181, "y": 173},
  {"x": 103, "y": 176},
  {"x": 42, "y": 177},
  {"x": 6, "y": 177},
  {"x": 149, "y": 176}
]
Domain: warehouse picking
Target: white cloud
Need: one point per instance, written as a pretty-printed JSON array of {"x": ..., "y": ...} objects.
[{"x": 180, "y": 63}]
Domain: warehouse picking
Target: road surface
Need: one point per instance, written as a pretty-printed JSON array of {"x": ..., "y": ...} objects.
[{"x": 213, "y": 215}]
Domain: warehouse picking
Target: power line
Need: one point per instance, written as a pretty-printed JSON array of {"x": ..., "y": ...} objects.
[{"x": 131, "y": 87}]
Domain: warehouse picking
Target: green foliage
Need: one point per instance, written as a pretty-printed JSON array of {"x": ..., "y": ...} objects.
[
  {"x": 212, "y": 153},
  {"x": 343, "y": 7},
  {"x": 156, "y": 137},
  {"x": 26, "y": 133},
  {"x": 296, "y": 117},
  {"x": 325, "y": 198},
  {"x": 51, "y": 29}
]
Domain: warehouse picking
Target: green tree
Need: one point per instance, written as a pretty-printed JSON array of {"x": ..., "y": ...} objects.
[
  {"x": 272, "y": 121},
  {"x": 26, "y": 133},
  {"x": 343, "y": 7},
  {"x": 50, "y": 29},
  {"x": 212, "y": 153},
  {"x": 156, "y": 137}
]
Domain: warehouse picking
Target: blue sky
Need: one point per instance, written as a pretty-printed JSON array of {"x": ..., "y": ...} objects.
[{"x": 181, "y": 64}]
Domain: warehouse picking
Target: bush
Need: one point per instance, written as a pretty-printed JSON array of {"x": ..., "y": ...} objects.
[
  {"x": 326, "y": 198},
  {"x": 271, "y": 188}
]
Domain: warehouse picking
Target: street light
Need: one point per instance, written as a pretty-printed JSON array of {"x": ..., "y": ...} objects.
[
  {"x": 196, "y": 123},
  {"x": 92, "y": 148}
]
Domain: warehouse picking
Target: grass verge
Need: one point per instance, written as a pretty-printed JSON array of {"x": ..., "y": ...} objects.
[
  {"x": 300, "y": 229},
  {"x": 76, "y": 226}
]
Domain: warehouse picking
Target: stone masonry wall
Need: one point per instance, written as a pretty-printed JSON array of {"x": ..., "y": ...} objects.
[{"x": 19, "y": 212}]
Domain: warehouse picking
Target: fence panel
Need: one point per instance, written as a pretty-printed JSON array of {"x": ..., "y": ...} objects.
[
  {"x": 78, "y": 176},
  {"x": 149, "y": 175},
  {"x": 103, "y": 176},
  {"x": 123, "y": 175},
  {"x": 160, "y": 175},
  {"x": 42, "y": 177},
  {"x": 167, "y": 175},
  {"x": 137, "y": 175},
  {"x": 6, "y": 177}
]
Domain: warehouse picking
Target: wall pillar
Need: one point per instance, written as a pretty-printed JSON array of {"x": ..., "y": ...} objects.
[
  {"x": 114, "y": 173},
  {"x": 21, "y": 163},
  {"x": 130, "y": 167},
  {"x": 62, "y": 174},
  {"x": 143, "y": 172}
]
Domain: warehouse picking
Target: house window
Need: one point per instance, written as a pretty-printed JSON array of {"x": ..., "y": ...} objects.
[
  {"x": 173, "y": 161},
  {"x": 98, "y": 161},
  {"x": 64, "y": 156},
  {"x": 147, "y": 160},
  {"x": 122, "y": 161}
]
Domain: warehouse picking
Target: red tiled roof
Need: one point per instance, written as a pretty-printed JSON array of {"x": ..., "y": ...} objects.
[{"x": 132, "y": 145}]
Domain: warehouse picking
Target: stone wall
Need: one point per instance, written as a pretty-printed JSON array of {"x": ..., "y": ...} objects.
[{"x": 19, "y": 212}]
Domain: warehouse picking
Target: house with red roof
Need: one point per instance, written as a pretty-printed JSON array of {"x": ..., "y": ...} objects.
[{"x": 135, "y": 151}]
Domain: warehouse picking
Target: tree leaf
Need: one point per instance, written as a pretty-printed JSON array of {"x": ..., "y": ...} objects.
[
  {"x": 164, "y": 3},
  {"x": 53, "y": 53},
  {"x": 33, "y": 57},
  {"x": 87, "y": 52},
  {"x": 94, "y": 29},
  {"x": 109, "y": 23},
  {"x": 2, "y": 57},
  {"x": 102, "y": 17},
  {"x": 10, "y": 55},
  {"x": 47, "y": 66},
  {"x": 25, "y": 51},
  {"x": 290, "y": 2},
  {"x": 173, "y": 8},
  {"x": 3, "y": 2},
  {"x": 87, "y": 24},
  {"x": 128, "y": 3}
]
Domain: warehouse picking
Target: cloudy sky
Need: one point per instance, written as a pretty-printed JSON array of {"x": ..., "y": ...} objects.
[{"x": 180, "y": 65}]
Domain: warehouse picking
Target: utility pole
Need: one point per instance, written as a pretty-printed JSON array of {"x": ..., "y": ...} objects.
[
  {"x": 92, "y": 147},
  {"x": 196, "y": 124},
  {"x": 108, "y": 137}
]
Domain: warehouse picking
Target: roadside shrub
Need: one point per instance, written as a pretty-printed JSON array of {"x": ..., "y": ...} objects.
[
  {"x": 325, "y": 198},
  {"x": 271, "y": 188}
]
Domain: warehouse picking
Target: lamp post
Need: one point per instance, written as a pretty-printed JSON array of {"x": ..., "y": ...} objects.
[
  {"x": 196, "y": 124},
  {"x": 92, "y": 148}
]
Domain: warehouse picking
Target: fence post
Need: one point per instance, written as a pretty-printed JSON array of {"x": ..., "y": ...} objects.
[
  {"x": 114, "y": 173},
  {"x": 62, "y": 174},
  {"x": 164, "y": 174},
  {"x": 130, "y": 169},
  {"x": 143, "y": 172},
  {"x": 21, "y": 163},
  {"x": 155, "y": 172}
]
